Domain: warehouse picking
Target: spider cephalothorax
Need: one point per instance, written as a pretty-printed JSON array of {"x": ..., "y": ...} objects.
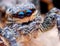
[
  {"x": 24, "y": 20},
  {"x": 22, "y": 13},
  {"x": 19, "y": 16}
]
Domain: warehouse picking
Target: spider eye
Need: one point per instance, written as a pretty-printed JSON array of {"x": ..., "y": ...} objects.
[
  {"x": 28, "y": 12},
  {"x": 21, "y": 14}
]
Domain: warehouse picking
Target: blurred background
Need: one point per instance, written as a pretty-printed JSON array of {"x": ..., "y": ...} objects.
[{"x": 46, "y": 5}]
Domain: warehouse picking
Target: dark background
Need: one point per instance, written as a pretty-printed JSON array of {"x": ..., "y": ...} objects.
[{"x": 44, "y": 6}]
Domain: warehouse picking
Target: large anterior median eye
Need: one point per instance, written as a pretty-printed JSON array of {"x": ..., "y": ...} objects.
[
  {"x": 28, "y": 12},
  {"x": 21, "y": 14}
]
